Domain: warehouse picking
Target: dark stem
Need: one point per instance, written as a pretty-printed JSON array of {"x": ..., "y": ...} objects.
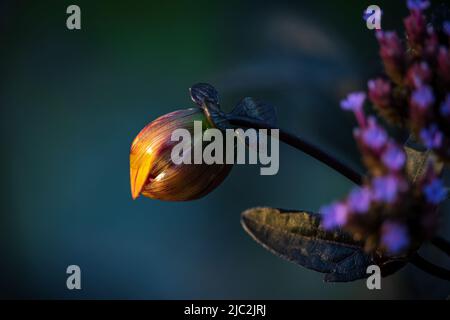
[
  {"x": 302, "y": 145},
  {"x": 430, "y": 268},
  {"x": 441, "y": 244}
]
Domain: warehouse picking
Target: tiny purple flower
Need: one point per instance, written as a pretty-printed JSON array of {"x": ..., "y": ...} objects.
[
  {"x": 334, "y": 215},
  {"x": 374, "y": 136},
  {"x": 359, "y": 200},
  {"x": 379, "y": 92},
  {"x": 390, "y": 44},
  {"x": 394, "y": 237},
  {"x": 435, "y": 191},
  {"x": 446, "y": 28},
  {"x": 386, "y": 188},
  {"x": 354, "y": 101},
  {"x": 394, "y": 157},
  {"x": 432, "y": 137},
  {"x": 418, "y": 4},
  {"x": 445, "y": 107},
  {"x": 419, "y": 74},
  {"x": 423, "y": 97}
]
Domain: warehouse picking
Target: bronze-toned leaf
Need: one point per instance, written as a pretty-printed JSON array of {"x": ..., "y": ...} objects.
[
  {"x": 418, "y": 159},
  {"x": 298, "y": 237}
]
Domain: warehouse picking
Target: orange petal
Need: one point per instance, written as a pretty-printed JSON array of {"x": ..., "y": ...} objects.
[{"x": 141, "y": 160}]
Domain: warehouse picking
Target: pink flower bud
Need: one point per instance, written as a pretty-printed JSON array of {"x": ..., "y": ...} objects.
[
  {"x": 415, "y": 25},
  {"x": 418, "y": 75},
  {"x": 431, "y": 45},
  {"x": 443, "y": 66},
  {"x": 421, "y": 101},
  {"x": 392, "y": 54},
  {"x": 380, "y": 93}
]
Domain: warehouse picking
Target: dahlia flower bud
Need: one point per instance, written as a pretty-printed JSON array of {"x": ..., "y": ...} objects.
[{"x": 153, "y": 173}]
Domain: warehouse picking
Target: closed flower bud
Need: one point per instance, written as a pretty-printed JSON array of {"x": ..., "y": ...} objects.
[
  {"x": 380, "y": 93},
  {"x": 421, "y": 101},
  {"x": 153, "y": 173},
  {"x": 419, "y": 74},
  {"x": 415, "y": 25},
  {"x": 443, "y": 66},
  {"x": 431, "y": 45},
  {"x": 392, "y": 54}
]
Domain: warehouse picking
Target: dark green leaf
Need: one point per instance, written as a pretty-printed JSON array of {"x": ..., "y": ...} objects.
[{"x": 256, "y": 110}]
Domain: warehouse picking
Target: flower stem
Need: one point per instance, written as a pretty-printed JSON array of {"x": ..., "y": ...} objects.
[
  {"x": 430, "y": 268},
  {"x": 441, "y": 244},
  {"x": 301, "y": 145}
]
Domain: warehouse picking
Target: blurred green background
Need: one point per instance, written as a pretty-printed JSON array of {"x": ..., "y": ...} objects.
[{"x": 71, "y": 103}]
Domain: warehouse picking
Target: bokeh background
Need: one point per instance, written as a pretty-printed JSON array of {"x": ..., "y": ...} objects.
[{"x": 71, "y": 102}]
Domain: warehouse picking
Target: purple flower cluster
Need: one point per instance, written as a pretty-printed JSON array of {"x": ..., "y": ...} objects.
[
  {"x": 335, "y": 215},
  {"x": 387, "y": 188},
  {"x": 380, "y": 210},
  {"x": 394, "y": 237},
  {"x": 415, "y": 92},
  {"x": 431, "y": 137},
  {"x": 445, "y": 107},
  {"x": 359, "y": 200},
  {"x": 446, "y": 28},
  {"x": 418, "y": 5},
  {"x": 422, "y": 98},
  {"x": 435, "y": 191},
  {"x": 394, "y": 157}
]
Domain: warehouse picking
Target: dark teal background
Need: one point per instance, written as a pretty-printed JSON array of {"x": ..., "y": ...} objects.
[{"x": 71, "y": 103}]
